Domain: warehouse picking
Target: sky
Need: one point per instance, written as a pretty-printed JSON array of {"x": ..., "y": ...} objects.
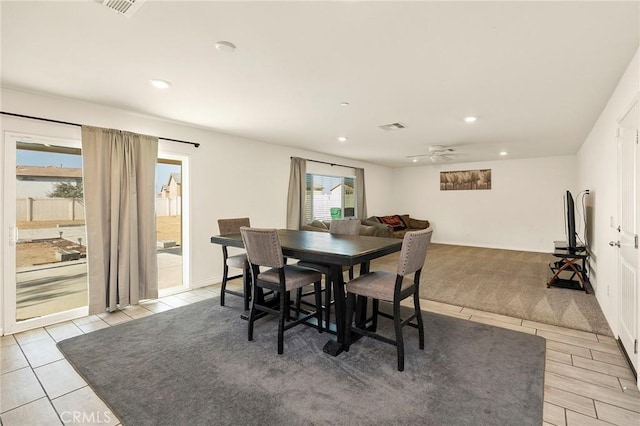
[{"x": 40, "y": 158}]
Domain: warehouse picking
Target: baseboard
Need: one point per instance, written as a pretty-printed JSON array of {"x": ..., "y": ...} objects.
[
  {"x": 626, "y": 356},
  {"x": 205, "y": 282},
  {"x": 489, "y": 246}
]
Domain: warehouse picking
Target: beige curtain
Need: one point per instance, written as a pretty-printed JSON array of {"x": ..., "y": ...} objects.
[
  {"x": 297, "y": 190},
  {"x": 361, "y": 201},
  {"x": 119, "y": 186}
]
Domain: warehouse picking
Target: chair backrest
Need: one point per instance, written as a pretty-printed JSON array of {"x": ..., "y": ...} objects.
[
  {"x": 345, "y": 227},
  {"x": 263, "y": 247},
  {"x": 414, "y": 251},
  {"x": 232, "y": 226}
]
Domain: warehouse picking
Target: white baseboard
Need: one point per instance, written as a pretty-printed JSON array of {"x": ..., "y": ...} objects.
[
  {"x": 205, "y": 282},
  {"x": 490, "y": 246}
]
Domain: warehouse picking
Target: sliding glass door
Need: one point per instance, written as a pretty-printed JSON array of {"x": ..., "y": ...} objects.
[
  {"x": 45, "y": 266},
  {"x": 170, "y": 196}
]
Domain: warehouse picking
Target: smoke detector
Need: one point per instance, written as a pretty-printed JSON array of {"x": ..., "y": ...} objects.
[{"x": 122, "y": 7}]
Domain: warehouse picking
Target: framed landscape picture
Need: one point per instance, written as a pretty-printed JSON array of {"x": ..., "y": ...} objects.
[{"x": 465, "y": 180}]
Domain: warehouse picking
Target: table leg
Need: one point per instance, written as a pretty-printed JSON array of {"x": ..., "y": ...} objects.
[
  {"x": 361, "y": 302},
  {"x": 335, "y": 347}
]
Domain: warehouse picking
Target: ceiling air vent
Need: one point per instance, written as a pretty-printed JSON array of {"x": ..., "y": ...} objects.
[
  {"x": 392, "y": 126},
  {"x": 123, "y": 7}
]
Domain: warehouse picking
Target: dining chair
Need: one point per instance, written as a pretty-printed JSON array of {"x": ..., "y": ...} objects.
[
  {"x": 390, "y": 287},
  {"x": 338, "y": 227},
  {"x": 264, "y": 250},
  {"x": 227, "y": 227}
]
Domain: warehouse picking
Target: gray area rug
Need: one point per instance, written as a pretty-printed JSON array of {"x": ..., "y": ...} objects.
[
  {"x": 193, "y": 365},
  {"x": 506, "y": 282}
]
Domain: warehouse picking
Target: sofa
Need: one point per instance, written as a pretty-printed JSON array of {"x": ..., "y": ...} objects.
[
  {"x": 397, "y": 225},
  {"x": 374, "y": 230}
]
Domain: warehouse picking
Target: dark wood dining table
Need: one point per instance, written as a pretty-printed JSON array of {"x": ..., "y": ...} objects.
[{"x": 333, "y": 250}]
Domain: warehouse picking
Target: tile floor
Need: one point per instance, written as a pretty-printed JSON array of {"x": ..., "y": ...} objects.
[{"x": 587, "y": 380}]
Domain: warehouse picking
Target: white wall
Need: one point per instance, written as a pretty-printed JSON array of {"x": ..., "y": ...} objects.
[
  {"x": 230, "y": 176},
  {"x": 597, "y": 170},
  {"x": 233, "y": 177},
  {"x": 522, "y": 211}
]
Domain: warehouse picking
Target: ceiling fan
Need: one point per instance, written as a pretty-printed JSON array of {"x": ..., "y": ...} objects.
[{"x": 437, "y": 154}]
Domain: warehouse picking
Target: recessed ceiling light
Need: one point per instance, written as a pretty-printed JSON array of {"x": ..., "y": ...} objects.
[
  {"x": 344, "y": 104},
  {"x": 470, "y": 119},
  {"x": 503, "y": 152},
  {"x": 225, "y": 46},
  {"x": 160, "y": 84},
  {"x": 342, "y": 138},
  {"x": 415, "y": 160}
]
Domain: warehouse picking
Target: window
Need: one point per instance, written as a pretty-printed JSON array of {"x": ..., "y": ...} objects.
[{"x": 330, "y": 197}]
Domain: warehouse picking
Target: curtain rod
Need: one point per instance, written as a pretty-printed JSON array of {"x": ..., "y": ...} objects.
[
  {"x": 324, "y": 162},
  {"x": 195, "y": 144}
]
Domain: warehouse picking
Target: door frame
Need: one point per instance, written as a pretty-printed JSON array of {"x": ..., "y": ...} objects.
[
  {"x": 8, "y": 299},
  {"x": 185, "y": 211},
  {"x": 633, "y": 357}
]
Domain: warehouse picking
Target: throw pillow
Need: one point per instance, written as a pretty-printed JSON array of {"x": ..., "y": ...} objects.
[
  {"x": 319, "y": 224},
  {"x": 394, "y": 221}
]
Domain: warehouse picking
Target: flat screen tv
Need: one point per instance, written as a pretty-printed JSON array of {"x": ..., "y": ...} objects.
[{"x": 570, "y": 222}]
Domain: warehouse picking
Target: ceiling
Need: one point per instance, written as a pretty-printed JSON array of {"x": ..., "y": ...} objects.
[{"x": 536, "y": 74}]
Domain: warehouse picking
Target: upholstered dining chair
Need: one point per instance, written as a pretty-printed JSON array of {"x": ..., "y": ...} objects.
[
  {"x": 338, "y": 227},
  {"x": 227, "y": 227},
  {"x": 390, "y": 287},
  {"x": 264, "y": 250}
]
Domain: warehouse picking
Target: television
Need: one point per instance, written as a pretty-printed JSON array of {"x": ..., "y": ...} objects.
[{"x": 570, "y": 222}]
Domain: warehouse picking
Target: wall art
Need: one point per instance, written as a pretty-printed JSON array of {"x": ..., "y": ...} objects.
[{"x": 465, "y": 180}]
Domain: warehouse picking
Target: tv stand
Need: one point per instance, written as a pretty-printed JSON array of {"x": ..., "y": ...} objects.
[{"x": 571, "y": 261}]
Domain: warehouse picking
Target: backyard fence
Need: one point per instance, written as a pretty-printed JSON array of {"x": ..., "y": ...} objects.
[
  {"x": 169, "y": 206},
  {"x": 36, "y": 209},
  {"x": 42, "y": 209}
]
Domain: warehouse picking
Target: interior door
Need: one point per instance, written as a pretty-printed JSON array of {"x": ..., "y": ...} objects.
[{"x": 628, "y": 233}]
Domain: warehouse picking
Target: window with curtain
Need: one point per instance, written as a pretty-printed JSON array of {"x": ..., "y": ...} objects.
[{"x": 329, "y": 197}]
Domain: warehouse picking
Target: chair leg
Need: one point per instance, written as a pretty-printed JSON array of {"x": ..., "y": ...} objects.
[
  {"x": 397, "y": 323},
  {"x": 298, "y": 299},
  {"x": 287, "y": 304},
  {"x": 258, "y": 296},
  {"x": 327, "y": 304},
  {"x": 318, "y": 292},
  {"x": 223, "y": 288},
  {"x": 376, "y": 308},
  {"x": 283, "y": 302},
  {"x": 416, "y": 304},
  {"x": 351, "y": 301},
  {"x": 246, "y": 284}
]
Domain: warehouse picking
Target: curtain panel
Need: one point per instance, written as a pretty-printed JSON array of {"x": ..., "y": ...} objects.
[
  {"x": 361, "y": 201},
  {"x": 297, "y": 192},
  {"x": 119, "y": 182}
]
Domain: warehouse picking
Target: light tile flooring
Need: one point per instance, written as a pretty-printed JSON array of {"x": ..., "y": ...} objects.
[{"x": 587, "y": 380}]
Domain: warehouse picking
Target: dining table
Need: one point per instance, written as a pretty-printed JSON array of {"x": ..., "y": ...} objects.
[{"x": 335, "y": 251}]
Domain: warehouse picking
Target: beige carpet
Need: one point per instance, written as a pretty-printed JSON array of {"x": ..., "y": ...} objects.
[{"x": 505, "y": 282}]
